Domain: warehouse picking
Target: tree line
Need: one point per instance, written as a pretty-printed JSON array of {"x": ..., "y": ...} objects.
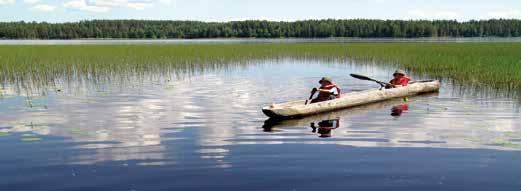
[{"x": 363, "y": 28}]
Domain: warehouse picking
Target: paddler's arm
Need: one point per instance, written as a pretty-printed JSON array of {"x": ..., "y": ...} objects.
[
  {"x": 331, "y": 91},
  {"x": 324, "y": 91},
  {"x": 321, "y": 90}
]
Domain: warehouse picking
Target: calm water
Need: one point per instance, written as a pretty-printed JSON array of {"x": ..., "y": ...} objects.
[{"x": 205, "y": 131}]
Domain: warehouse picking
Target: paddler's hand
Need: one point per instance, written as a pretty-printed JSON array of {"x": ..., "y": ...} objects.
[
  {"x": 389, "y": 86},
  {"x": 314, "y": 90}
]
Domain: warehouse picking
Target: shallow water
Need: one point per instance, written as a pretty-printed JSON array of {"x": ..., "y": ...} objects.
[{"x": 205, "y": 131}]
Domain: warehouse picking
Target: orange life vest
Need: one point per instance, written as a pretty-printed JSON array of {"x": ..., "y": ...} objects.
[{"x": 325, "y": 96}]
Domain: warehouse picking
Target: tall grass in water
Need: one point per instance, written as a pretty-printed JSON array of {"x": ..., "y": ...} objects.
[{"x": 496, "y": 65}]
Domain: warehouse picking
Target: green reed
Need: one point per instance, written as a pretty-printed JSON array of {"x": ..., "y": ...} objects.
[{"x": 496, "y": 65}]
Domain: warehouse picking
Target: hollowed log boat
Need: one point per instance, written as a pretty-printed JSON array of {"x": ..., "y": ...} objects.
[{"x": 297, "y": 109}]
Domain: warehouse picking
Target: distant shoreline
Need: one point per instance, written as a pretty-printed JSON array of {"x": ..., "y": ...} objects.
[
  {"x": 328, "y": 28},
  {"x": 253, "y": 40}
]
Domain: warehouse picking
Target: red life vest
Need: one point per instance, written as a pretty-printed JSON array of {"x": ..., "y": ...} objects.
[
  {"x": 399, "y": 109},
  {"x": 403, "y": 81},
  {"x": 325, "y": 96}
]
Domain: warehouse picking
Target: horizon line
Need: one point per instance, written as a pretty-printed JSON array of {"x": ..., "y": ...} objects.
[{"x": 268, "y": 20}]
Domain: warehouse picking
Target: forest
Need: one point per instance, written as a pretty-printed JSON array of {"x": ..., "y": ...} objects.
[{"x": 362, "y": 28}]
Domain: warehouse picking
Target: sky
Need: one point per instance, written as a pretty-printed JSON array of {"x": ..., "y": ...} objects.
[{"x": 275, "y": 10}]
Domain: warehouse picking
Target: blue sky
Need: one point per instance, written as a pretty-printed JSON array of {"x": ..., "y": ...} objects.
[{"x": 226, "y": 10}]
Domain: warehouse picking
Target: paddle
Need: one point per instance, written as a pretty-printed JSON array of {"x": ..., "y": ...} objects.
[
  {"x": 310, "y": 97},
  {"x": 383, "y": 84}
]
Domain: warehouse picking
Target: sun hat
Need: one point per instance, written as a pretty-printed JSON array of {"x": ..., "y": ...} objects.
[
  {"x": 399, "y": 72},
  {"x": 326, "y": 79}
]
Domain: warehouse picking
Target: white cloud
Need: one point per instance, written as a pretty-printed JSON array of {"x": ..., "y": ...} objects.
[
  {"x": 31, "y": 1},
  {"x": 505, "y": 14},
  {"x": 138, "y": 5},
  {"x": 83, "y": 6},
  {"x": 107, "y": 5},
  {"x": 4, "y": 2},
  {"x": 43, "y": 8}
]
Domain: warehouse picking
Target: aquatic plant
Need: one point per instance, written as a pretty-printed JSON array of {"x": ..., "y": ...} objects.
[{"x": 496, "y": 65}]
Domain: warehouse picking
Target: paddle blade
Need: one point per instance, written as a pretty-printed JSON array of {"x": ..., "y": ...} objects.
[
  {"x": 357, "y": 76},
  {"x": 310, "y": 97}
]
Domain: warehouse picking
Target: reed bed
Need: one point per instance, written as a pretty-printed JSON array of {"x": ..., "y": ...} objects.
[{"x": 496, "y": 65}]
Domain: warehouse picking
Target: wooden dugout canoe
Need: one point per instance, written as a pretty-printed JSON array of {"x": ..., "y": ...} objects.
[
  {"x": 274, "y": 124},
  {"x": 297, "y": 109}
]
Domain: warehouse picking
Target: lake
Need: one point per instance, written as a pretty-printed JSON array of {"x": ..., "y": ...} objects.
[{"x": 203, "y": 129}]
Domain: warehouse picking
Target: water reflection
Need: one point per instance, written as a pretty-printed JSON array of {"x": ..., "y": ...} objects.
[
  {"x": 398, "y": 110},
  {"x": 197, "y": 120},
  {"x": 325, "y": 127}
]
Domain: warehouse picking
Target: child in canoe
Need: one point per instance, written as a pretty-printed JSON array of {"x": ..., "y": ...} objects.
[{"x": 327, "y": 91}]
